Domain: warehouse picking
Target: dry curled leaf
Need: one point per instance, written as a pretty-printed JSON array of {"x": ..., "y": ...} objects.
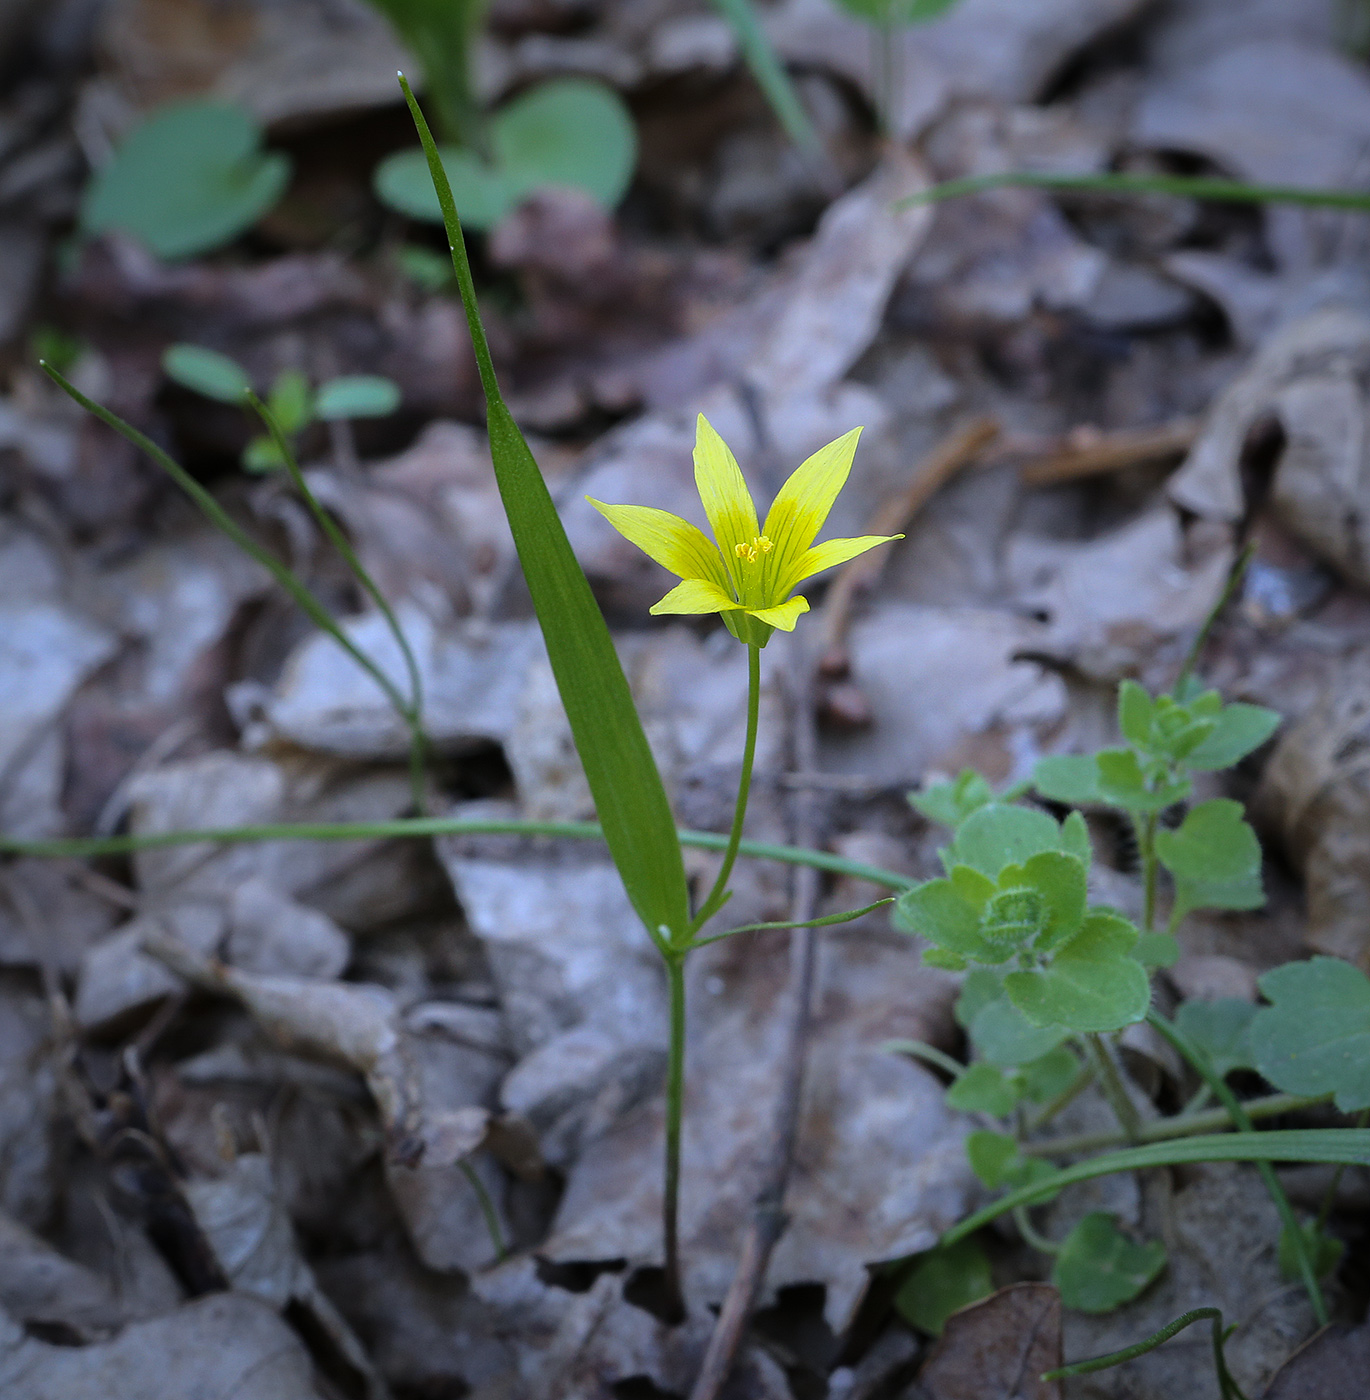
[{"x": 997, "y": 1349}]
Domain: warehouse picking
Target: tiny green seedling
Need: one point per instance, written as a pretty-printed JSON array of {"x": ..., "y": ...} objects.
[
  {"x": 292, "y": 403},
  {"x": 191, "y": 178},
  {"x": 884, "y": 17}
]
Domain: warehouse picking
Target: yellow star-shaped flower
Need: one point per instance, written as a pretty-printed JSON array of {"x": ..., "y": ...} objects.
[{"x": 746, "y": 572}]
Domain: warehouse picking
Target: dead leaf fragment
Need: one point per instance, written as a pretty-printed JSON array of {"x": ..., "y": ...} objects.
[
  {"x": 1332, "y": 1366},
  {"x": 998, "y": 1348}
]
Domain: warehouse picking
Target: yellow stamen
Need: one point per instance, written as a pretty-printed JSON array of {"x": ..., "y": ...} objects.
[{"x": 759, "y": 544}]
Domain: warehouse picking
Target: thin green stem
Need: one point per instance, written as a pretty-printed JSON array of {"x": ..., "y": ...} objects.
[
  {"x": 1067, "y": 1096},
  {"x": 719, "y": 892},
  {"x": 675, "y": 1107},
  {"x": 770, "y": 73},
  {"x": 1329, "y": 1196},
  {"x": 1164, "y": 1129},
  {"x": 91, "y": 847},
  {"x": 1029, "y": 1232},
  {"x": 487, "y": 1209},
  {"x": 412, "y": 712},
  {"x": 929, "y": 1054},
  {"x": 1146, "y": 847},
  {"x": 1226, "y": 1385},
  {"x": 1115, "y": 1091},
  {"x": 1298, "y": 1243},
  {"x": 1234, "y": 578},
  {"x": 1186, "y": 186}
]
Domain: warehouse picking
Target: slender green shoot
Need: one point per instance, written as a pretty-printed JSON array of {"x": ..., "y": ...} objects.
[
  {"x": 929, "y": 1054},
  {"x": 1235, "y": 575},
  {"x": 770, "y": 73},
  {"x": 1187, "y": 186},
  {"x": 487, "y": 1210},
  {"x": 1228, "y": 1387},
  {"x": 827, "y": 921}
]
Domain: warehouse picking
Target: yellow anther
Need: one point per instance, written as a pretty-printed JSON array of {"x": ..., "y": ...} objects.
[
  {"x": 764, "y": 544},
  {"x": 740, "y": 550},
  {"x": 760, "y": 544}
]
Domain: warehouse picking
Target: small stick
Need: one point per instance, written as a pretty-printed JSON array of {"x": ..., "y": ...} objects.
[
  {"x": 930, "y": 474},
  {"x": 1088, "y": 452},
  {"x": 768, "y": 1209}
]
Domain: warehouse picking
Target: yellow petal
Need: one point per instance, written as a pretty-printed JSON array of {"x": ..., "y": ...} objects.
[
  {"x": 694, "y": 595},
  {"x": 784, "y": 615},
  {"x": 674, "y": 543},
  {"x": 727, "y": 502},
  {"x": 804, "y": 501},
  {"x": 830, "y": 552}
]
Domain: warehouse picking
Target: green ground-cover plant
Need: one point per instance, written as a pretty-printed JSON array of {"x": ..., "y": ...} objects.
[
  {"x": 292, "y": 401},
  {"x": 885, "y": 17},
  {"x": 190, "y": 178}
]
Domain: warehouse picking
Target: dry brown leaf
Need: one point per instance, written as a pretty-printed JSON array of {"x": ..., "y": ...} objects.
[
  {"x": 1332, "y": 1366},
  {"x": 998, "y": 1348}
]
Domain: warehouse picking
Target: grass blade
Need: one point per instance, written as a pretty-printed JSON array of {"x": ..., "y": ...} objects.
[
  {"x": 770, "y": 73},
  {"x": 630, "y": 799}
]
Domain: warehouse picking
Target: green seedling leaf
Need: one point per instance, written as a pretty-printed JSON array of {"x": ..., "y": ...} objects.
[
  {"x": 622, "y": 774},
  {"x": 1005, "y": 1037},
  {"x": 1135, "y": 714},
  {"x": 1315, "y": 1037},
  {"x": 1124, "y": 783},
  {"x": 896, "y": 12},
  {"x": 357, "y": 396},
  {"x": 1092, "y": 984},
  {"x": 984, "y": 1089},
  {"x": 1323, "y": 1249},
  {"x": 941, "y": 1282},
  {"x": 1072, "y": 778},
  {"x": 430, "y": 271},
  {"x": 998, "y": 834},
  {"x": 996, "y": 1160},
  {"x": 440, "y": 34},
  {"x": 261, "y": 455},
  {"x": 1215, "y": 859},
  {"x": 206, "y": 372},
  {"x": 980, "y": 987},
  {"x": 938, "y": 911},
  {"x": 769, "y": 72},
  {"x": 1221, "y": 1029},
  {"x": 1099, "y": 1268},
  {"x": 291, "y": 401},
  {"x": 570, "y": 132},
  {"x": 1238, "y": 731},
  {"x": 951, "y": 803},
  {"x": 192, "y": 177},
  {"x": 1157, "y": 949},
  {"x": 1050, "y": 1075}
]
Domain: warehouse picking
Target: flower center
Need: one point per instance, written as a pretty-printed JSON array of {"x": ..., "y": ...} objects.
[{"x": 760, "y": 545}]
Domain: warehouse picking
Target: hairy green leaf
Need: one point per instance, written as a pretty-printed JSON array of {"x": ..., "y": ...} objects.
[
  {"x": 1004, "y": 1036},
  {"x": 1124, "y": 783},
  {"x": 998, "y": 834},
  {"x": 1099, "y": 1268},
  {"x": 1221, "y": 1029},
  {"x": 190, "y": 178},
  {"x": 1092, "y": 984},
  {"x": 1215, "y": 859},
  {"x": 1072, "y": 778},
  {"x": 996, "y": 1160},
  {"x": 1050, "y": 1074},
  {"x": 984, "y": 1089},
  {"x": 1315, "y": 1036},
  {"x": 951, "y": 803},
  {"x": 1239, "y": 730}
]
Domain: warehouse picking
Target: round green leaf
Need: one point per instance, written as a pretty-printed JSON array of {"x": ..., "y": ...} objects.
[
  {"x": 1072, "y": 778},
  {"x": 1315, "y": 1038},
  {"x": 568, "y": 132},
  {"x": 206, "y": 372},
  {"x": 941, "y": 1282},
  {"x": 1004, "y": 1036},
  {"x": 1099, "y": 1268},
  {"x": 1239, "y": 730},
  {"x": 998, "y": 835},
  {"x": 1091, "y": 985},
  {"x": 483, "y": 195},
  {"x": 357, "y": 396},
  {"x": 951, "y": 803},
  {"x": 983, "y": 1089},
  {"x": 1215, "y": 859},
  {"x": 190, "y": 178},
  {"x": 1221, "y": 1029}
]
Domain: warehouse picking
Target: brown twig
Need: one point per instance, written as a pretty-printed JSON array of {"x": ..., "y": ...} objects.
[
  {"x": 769, "y": 1220},
  {"x": 1089, "y": 452},
  {"x": 929, "y": 475}
]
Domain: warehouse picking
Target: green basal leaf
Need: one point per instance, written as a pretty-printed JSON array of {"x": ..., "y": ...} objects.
[
  {"x": 570, "y": 132},
  {"x": 206, "y": 372},
  {"x": 357, "y": 396},
  {"x": 1315, "y": 1037},
  {"x": 951, "y": 803},
  {"x": 1050, "y": 1075},
  {"x": 622, "y": 774},
  {"x": 1072, "y": 778},
  {"x": 1239, "y": 730},
  {"x": 1124, "y": 783},
  {"x": 1157, "y": 949},
  {"x": 190, "y": 178},
  {"x": 291, "y": 401},
  {"x": 1099, "y": 1268},
  {"x": 984, "y": 1089},
  {"x": 1135, "y": 714},
  {"x": 996, "y": 1160},
  {"x": 997, "y": 835},
  {"x": 1323, "y": 1249},
  {"x": 1214, "y": 858},
  {"x": 941, "y": 1282},
  {"x": 1005, "y": 1037},
  {"x": 1092, "y": 984},
  {"x": 1221, "y": 1029}
]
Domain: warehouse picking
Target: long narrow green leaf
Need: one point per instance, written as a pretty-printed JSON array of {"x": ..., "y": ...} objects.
[
  {"x": 629, "y": 796},
  {"x": 89, "y": 847},
  {"x": 769, "y": 72},
  {"x": 1188, "y": 186},
  {"x": 1350, "y": 1145}
]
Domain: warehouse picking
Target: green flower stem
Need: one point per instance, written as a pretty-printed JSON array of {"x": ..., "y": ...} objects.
[
  {"x": 719, "y": 893},
  {"x": 487, "y": 1209},
  {"x": 1111, "y": 1082},
  {"x": 1146, "y": 842},
  {"x": 1234, "y": 579},
  {"x": 1164, "y": 1129},
  {"x": 1029, "y": 1232},
  {"x": 92, "y": 847},
  {"x": 1298, "y": 1243},
  {"x": 1228, "y": 1387},
  {"x": 675, "y": 1106},
  {"x": 411, "y": 713}
]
